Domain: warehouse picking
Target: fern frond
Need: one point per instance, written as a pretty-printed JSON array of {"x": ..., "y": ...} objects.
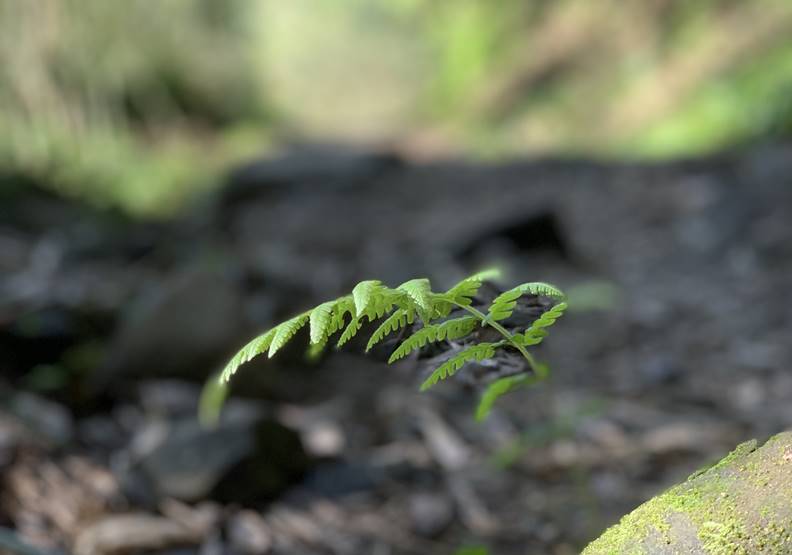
[
  {"x": 463, "y": 292},
  {"x": 430, "y": 333},
  {"x": 503, "y": 305},
  {"x": 372, "y": 300},
  {"x": 286, "y": 331},
  {"x": 549, "y": 317},
  {"x": 419, "y": 292},
  {"x": 315, "y": 350},
  {"x": 399, "y": 319},
  {"x": 253, "y": 348},
  {"x": 542, "y": 289},
  {"x": 350, "y": 331},
  {"x": 531, "y": 337},
  {"x": 344, "y": 305},
  {"x": 364, "y": 294},
  {"x": 537, "y": 332},
  {"x": 496, "y": 390},
  {"x": 321, "y": 321},
  {"x": 479, "y": 351}
]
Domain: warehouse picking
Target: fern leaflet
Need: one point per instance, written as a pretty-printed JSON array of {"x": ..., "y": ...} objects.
[
  {"x": 450, "y": 329},
  {"x": 286, "y": 331},
  {"x": 255, "y": 347},
  {"x": 399, "y": 319},
  {"x": 364, "y": 294},
  {"x": 531, "y": 337},
  {"x": 315, "y": 350},
  {"x": 463, "y": 292},
  {"x": 479, "y": 351},
  {"x": 321, "y": 320},
  {"x": 537, "y": 332},
  {"x": 343, "y": 306},
  {"x": 497, "y": 389},
  {"x": 503, "y": 305},
  {"x": 351, "y": 331},
  {"x": 419, "y": 291},
  {"x": 542, "y": 289},
  {"x": 548, "y": 318}
]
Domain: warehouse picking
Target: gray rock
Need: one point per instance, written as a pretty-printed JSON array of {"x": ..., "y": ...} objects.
[
  {"x": 183, "y": 327},
  {"x": 135, "y": 532},
  {"x": 245, "y": 457},
  {"x": 248, "y": 533},
  {"x": 33, "y": 419},
  {"x": 430, "y": 513}
]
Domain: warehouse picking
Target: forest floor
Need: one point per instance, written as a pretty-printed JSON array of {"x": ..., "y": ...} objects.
[{"x": 675, "y": 349}]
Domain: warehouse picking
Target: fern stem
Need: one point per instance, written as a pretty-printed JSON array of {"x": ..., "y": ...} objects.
[{"x": 535, "y": 367}]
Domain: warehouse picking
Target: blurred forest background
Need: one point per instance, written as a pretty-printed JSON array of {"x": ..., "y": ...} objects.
[
  {"x": 157, "y": 100},
  {"x": 178, "y": 175}
]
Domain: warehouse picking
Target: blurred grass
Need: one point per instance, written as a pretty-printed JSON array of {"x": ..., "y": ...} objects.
[
  {"x": 139, "y": 104},
  {"x": 126, "y": 103}
]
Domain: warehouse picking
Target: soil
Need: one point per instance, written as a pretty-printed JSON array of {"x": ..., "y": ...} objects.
[{"x": 676, "y": 348}]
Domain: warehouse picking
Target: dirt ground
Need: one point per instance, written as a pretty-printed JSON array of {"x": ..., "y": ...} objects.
[{"x": 676, "y": 347}]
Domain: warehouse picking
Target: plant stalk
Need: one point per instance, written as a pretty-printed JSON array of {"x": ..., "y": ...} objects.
[{"x": 535, "y": 367}]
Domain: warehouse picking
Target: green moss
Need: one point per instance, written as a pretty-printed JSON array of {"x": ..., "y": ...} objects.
[{"x": 717, "y": 511}]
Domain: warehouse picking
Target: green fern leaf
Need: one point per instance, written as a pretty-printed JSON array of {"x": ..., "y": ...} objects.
[
  {"x": 364, "y": 294},
  {"x": 419, "y": 291},
  {"x": 351, "y": 331},
  {"x": 321, "y": 321},
  {"x": 246, "y": 353},
  {"x": 285, "y": 331},
  {"x": 315, "y": 350},
  {"x": 430, "y": 333},
  {"x": 399, "y": 319},
  {"x": 496, "y": 390},
  {"x": 531, "y": 337},
  {"x": 456, "y": 328},
  {"x": 537, "y": 332},
  {"x": 479, "y": 351},
  {"x": 542, "y": 289},
  {"x": 503, "y": 305},
  {"x": 343, "y": 306},
  {"x": 464, "y": 291},
  {"x": 549, "y": 317}
]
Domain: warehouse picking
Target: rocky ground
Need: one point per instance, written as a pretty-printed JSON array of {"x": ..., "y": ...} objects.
[{"x": 676, "y": 348}]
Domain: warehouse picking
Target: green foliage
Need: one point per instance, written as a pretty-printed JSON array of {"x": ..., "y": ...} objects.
[
  {"x": 372, "y": 300},
  {"x": 501, "y": 387},
  {"x": 503, "y": 305},
  {"x": 126, "y": 107},
  {"x": 480, "y": 351},
  {"x": 210, "y": 404},
  {"x": 537, "y": 332},
  {"x": 399, "y": 319},
  {"x": 477, "y": 550},
  {"x": 286, "y": 331},
  {"x": 174, "y": 99},
  {"x": 431, "y": 333}
]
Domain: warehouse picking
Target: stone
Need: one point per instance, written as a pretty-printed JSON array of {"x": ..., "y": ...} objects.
[
  {"x": 244, "y": 458},
  {"x": 133, "y": 532},
  {"x": 430, "y": 513},
  {"x": 249, "y": 534}
]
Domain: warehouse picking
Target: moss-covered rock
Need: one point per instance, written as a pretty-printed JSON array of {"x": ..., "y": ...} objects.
[{"x": 740, "y": 505}]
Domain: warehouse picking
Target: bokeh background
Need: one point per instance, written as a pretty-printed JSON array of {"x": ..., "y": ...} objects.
[
  {"x": 140, "y": 107},
  {"x": 177, "y": 176}
]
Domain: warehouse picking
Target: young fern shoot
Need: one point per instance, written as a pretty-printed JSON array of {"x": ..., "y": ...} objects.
[{"x": 414, "y": 300}]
